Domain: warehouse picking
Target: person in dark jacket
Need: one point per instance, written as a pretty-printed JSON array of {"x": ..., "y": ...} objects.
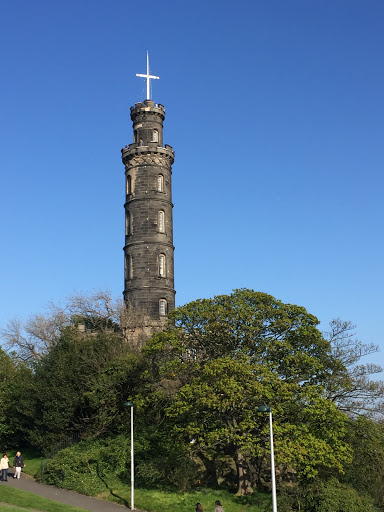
[{"x": 18, "y": 463}]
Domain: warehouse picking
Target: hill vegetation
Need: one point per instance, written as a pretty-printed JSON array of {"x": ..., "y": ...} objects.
[{"x": 196, "y": 388}]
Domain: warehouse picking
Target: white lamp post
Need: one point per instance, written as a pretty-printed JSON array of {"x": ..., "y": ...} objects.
[
  {"x": 130, "y": 404},
  {"x": 264, "y": 408}
]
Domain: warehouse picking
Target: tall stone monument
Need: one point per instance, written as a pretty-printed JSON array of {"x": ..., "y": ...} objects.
[{"x": 149, "y": 292}]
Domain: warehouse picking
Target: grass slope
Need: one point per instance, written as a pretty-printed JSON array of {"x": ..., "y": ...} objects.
[
  {"x": 162, "y": 501},
  {"x": 110, "y": 488},
  {"x": 5, "y": 508},
  {"x": 28, "y": 501}
]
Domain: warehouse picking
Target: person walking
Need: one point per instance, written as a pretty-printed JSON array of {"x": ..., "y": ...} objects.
[
  {"x": 4, "y": 465},
  {"x": 218, "y": 507},
  {"x": 18, "y": 463}
]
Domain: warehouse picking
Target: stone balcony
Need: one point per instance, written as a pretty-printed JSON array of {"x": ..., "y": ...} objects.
[{"x": 150, "y": 147}]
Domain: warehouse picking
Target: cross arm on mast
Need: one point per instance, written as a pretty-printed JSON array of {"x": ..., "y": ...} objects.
[{"x": 148, "y": 77}]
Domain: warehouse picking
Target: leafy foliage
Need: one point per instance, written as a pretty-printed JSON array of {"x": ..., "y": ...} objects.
[
  {"x": 85, "y": 466},
  {"x": 196, "y": 388},
  {"x": 8, "y": 375},
  {"x": 231, "y": 354},
  {"x": 80, "y": 386},
  {"x": 259, "y": 326},
  {"x": 91, "y": 466},
  {"x": 366, "y": 471},
  {"x": 332, "y": 496}
]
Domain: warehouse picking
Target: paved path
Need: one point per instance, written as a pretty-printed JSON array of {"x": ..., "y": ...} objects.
[{"x": 64, "y": 496}]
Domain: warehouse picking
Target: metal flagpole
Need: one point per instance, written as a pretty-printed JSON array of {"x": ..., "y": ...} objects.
[
  {"x": 130, "y": 404},
  {"x": 148, "y": 77},
  {"x": 132, "y": 466},
  {"x": 274, "y": 501}
]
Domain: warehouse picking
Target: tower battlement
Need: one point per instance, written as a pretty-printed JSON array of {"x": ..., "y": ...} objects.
[
  {"x": 152, "y": 148},
  {"x": 147, "y": 106}
]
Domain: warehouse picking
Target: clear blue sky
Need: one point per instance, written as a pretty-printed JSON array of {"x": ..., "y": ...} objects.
[{"x": 275, "y": 110}]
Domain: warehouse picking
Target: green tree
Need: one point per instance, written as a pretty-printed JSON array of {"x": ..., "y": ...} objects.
[
  {"x": 333, "y": 496},
  {"x": 366, "y": 470},
  {"x": 76, "y": 369},
  {"x": 8, "y": 378},
  {"x": 230, "y": 354},
  {"x": 80, "y": 385}
]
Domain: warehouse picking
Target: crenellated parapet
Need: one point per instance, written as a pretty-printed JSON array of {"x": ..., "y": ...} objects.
[{"x": 140, "y": 111}]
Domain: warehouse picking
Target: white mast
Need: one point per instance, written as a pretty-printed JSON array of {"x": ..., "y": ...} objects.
[{"x": 148, "y": 78}]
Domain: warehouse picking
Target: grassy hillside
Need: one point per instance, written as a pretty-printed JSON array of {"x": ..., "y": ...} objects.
[{"x": 27, "y": 501}]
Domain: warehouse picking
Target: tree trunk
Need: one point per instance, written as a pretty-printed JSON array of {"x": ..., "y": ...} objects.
[{"x": 242, "y": 467}]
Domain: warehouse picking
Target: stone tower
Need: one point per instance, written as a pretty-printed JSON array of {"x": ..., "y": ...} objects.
[{"x": 149, "y": 292}]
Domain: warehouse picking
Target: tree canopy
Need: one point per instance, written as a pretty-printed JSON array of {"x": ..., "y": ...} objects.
[
  {"x": 230, "y": 354},
  {"x": 196, "y": 389}
]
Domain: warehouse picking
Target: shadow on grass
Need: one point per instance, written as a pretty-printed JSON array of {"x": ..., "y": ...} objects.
[{"x": 123, "y": 500}]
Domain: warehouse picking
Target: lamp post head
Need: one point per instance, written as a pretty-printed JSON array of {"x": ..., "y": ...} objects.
[
  {"x": 264, "y": 408},
  {"x": 128, "y": 404}
]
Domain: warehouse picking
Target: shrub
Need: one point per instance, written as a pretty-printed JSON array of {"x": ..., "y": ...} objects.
[
  {"x": 86, "y": 466},
  {"x": 332, "y": 496},
  {"x": 90, "y": 466}
]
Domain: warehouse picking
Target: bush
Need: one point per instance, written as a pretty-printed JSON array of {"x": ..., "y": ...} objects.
[
  {"x": 91, "y": 466},
  {"x": 87, "y": 466},
  {"x": 332, "y": 496}
]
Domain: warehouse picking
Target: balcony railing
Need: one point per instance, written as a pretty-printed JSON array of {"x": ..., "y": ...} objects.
[{"x": 147, "y": 145}]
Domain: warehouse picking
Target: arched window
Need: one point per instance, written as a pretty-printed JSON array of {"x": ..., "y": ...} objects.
[
  {"x": 129, "y": 184},
  {"x": 135, "y": 136},
  {"x": 162, "y": 307},
  {"x": 128, "y": 267},
  {"x": 161, "y": 221},
  {"x": 162, "y": 267},
  {"x": 160, "y": 183},
  {"x": 155, "y": 136},
  {"x": 128, "y": 222}
]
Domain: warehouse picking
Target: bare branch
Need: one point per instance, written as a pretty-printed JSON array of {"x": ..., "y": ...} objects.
[
  {"x": 350, "y": 386},
  {"x": 30, "y": 340},
  {"x": 18, "y": 340}
]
